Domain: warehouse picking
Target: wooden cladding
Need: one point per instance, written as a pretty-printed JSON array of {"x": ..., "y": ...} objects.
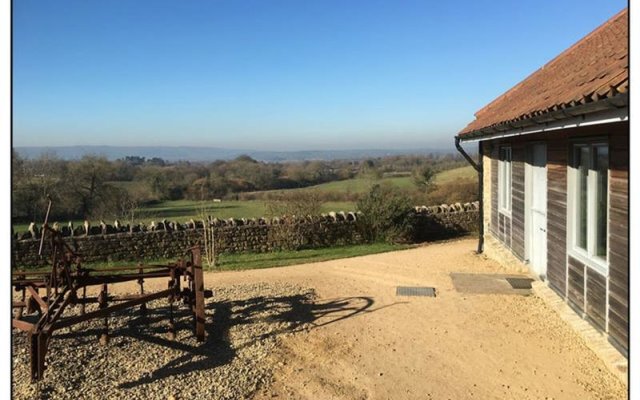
[
  {"x": 517, "y": 202},
  {"x": 494, "y": 191},
  {"x": 575, "y": 284},
  {"x": 557, "y": 153},
  {"x": 602, "y": 299},
  {"x": 596, "y": 298},
  {"x": 619, "y": 237},
  {"x": 587, "y": 292},
  {"x": 504, "y": 229}
]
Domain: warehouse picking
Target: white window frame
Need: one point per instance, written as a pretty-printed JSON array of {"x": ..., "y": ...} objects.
[
  {"x": 588, "y": 256},
  {"x": 504, "y": 180}
]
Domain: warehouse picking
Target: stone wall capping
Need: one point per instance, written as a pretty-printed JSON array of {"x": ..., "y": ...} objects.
[{"x": 169, "y": 239}]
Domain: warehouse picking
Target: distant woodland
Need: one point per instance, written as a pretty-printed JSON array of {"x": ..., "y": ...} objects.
[{"x": 96, "y": 188}]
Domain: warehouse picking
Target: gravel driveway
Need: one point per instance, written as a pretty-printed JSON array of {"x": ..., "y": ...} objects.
[{"x": 334, "y": 330}]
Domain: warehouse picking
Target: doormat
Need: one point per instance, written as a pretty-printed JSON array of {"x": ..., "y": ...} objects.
[
  {"x": 490, "y": 283},
  {"x": 415, "y": 291},
  {"x": 520, "y": 283}
]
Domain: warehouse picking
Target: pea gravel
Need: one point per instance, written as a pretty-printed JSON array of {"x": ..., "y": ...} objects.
[{"x": 244, "y": 325}]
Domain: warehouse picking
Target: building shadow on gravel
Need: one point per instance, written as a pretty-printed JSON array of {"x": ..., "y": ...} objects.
[{"x": 263, "y": 316}]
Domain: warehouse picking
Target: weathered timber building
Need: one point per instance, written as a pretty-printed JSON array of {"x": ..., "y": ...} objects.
[{"x": 554, "y": 175}]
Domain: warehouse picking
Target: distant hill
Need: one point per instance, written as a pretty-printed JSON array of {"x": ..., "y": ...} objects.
[{"x": 185, "y": 153}]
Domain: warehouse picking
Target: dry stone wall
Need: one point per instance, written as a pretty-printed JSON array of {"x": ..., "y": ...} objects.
[{"x": 170, "y": 239}]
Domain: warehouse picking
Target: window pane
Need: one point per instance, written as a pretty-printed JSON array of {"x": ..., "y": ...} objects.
[
  {"x": 504, "y": 184},
  {"x": 582, "y": 164},
  {"x": 504, "y": 179},
  {"x": 601, "y": 164},
  {"x": 508, "y": 183}
]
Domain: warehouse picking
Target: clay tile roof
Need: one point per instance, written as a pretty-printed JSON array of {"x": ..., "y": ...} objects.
[{"x": 595, "y": 68}]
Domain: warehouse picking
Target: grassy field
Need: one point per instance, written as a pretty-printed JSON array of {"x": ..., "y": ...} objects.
[
  {"x": 362, "y": 185},
  {"x": 183, "y": 210},
  {"x": 348, "y": 186},
  {"x": 456, "y": 174},
  {"x": 237, "y": 262},
  {"x": 283, "y": 258}
]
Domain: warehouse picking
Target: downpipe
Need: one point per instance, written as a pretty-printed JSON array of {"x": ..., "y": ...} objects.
[{"x": 478, "y": 167}]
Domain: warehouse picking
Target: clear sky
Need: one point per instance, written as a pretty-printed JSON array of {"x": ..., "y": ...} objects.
[{"x": 276, "y": 75}]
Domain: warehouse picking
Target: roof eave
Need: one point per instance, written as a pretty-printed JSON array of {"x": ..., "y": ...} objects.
[{"x": 620, "y": 101}]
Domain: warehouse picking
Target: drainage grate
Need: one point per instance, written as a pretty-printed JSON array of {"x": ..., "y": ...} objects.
[
  {"x": 520, "y": 283},
  {"x": 415, "y": 291}
]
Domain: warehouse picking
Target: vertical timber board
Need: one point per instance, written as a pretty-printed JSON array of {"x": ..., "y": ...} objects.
[
  {"x": 557, "y": 159},
  {"x": 507, "y": 234},
  {"x": 495, "y": 229},
  {"x": 618, "y": 311},
  {"x": 596, "y": 292},
  {"x": 576, "y": 284},
  {"x": 517, "y": 201}
]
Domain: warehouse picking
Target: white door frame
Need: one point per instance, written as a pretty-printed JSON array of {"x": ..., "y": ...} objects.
[{"x": 539, "y": 270}]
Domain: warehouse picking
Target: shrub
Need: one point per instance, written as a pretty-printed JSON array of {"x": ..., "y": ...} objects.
[
  {"x": 385, "y": 214},
  {"x": 298, "y": 203}
]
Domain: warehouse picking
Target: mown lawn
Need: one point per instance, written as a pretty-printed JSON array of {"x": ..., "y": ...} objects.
[{"x": 282, "y": 258}]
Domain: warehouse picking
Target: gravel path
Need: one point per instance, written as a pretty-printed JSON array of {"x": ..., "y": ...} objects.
[
  {"x": 244, "y": 323},
  {"x": 349, "y": 337}
]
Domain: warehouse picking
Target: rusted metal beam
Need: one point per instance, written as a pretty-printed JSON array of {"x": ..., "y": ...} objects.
[
  {"x": 135, "y": 268},
  {"x": 100, "y": 279},
  {"x": 63, "y": 282},
  {"x": 110, "y": 309},
  {"x": 198, "y": 282},
  {"x": 22, "y": 325},
  {"x": 36, "y": 296}
]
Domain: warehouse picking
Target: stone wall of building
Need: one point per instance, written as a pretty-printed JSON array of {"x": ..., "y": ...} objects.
[{"x": 171, "y": 240}]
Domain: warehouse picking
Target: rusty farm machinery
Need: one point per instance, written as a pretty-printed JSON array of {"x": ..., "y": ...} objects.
[{"x": 43, "y": 296}]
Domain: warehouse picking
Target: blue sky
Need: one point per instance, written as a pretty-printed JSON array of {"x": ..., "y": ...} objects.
[{"x": 276, "y": 75}]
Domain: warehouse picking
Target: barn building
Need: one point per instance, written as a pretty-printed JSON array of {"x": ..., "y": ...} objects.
[{"x": 554, "y": 175}]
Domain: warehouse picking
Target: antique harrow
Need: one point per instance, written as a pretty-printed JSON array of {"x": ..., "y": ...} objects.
[{"x": 40, "y": 314}]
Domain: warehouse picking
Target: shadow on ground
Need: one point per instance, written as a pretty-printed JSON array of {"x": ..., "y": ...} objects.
[{"x": 263, "y": 316}]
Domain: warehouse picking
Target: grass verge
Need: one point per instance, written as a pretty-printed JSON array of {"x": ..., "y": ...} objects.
[
  {"x": 246, "y": 261},
  {"x": 236, "y": 262}
]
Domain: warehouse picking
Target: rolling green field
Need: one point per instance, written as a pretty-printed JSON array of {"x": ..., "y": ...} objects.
[
  {"x": 184, "y": 210},
  {"x": 362, "y": 185},
  {"x": 348, "y": 186},
  {"x": 456, "y": 174}
]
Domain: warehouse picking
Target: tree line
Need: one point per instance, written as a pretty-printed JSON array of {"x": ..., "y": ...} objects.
[{"x": 96, "y": 188}]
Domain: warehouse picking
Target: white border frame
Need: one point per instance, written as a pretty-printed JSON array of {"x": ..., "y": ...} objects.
[
  {"x": 501, "y": 189},
  {"x": 591, "y": 261}
]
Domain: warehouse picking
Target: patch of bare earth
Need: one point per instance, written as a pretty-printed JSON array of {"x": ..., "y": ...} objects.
[{"x": 351, "y": 337}]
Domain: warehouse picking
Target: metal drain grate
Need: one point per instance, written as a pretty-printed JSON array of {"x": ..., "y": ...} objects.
[
  {"x": 520, "y": 283},
  {"x": 415, "y": 291}
]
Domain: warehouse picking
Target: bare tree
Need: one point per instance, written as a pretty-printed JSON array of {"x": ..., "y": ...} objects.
[{"x": 210, "y": 256}]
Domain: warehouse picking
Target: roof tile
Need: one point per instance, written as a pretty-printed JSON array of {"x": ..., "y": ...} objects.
[{"x": 596, "y": 67}]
